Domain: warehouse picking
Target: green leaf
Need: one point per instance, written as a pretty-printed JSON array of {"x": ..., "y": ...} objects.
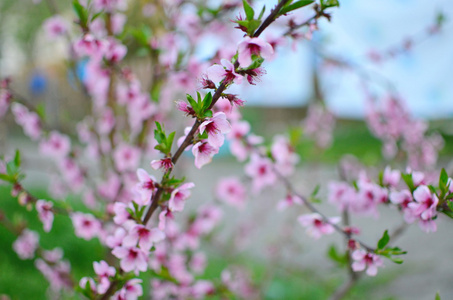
[
  {"x": 6, "y": 177},
  {"x": 11, "y": 168},
  {"x": 253, "y": 26},
  {"x": 207, "y": 101},
  {"x": 329, "y": 3},
  {"x": 249, "y": 12},
  {"x": 256, "y": 63},
  {"x": 333, "y": 254},
  {"x": 262, "y": 13},
  {"x": 396, "y": 260},
  {"x": 96, "y": 16},
  {"x": 203, "y": 136},
  {"x": 294, "y": 6},
  {"x": 81, "y": 13},
  {"x": 409, "y": 181},
  {"x": 437, "y": 296},
  {"x": 158, "y": 126},
  {"x": 192, "y": 103},
  {"x": 170, "y": 139},
  {"x": 440, "y": 19},
  {"x": 443, "y": 177},
  {"x": 208, "y": 114},
  {"x": 316, "y": 190},
  {"x": 17, "y": 159},
  {"x": 41, "y": 110},
  {"x": 384, "y": 240},
  {"x": 199, "y": 101},
  {"x": 450, "y": 206}
]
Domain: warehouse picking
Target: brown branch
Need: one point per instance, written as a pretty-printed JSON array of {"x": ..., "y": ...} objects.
[{"x": 270, "y": 18}]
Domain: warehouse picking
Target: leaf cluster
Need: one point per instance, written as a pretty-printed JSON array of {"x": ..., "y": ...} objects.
[
  {"x": 13, "y": 173},
  {"x": 164, "y": 141},
  {"x": 201, "y": 107},
  {"x": 388, "y": 252}
]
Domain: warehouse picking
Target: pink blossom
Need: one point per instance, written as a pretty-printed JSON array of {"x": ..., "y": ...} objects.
[
  {"x": 186, "y": 108},
  {"x": 177, "y": 268},
  {"x": 117, "y": 21},
  {"x": 86, "y": 225},
  {"x": 146, "y": 186},
  {"x": 106, "y": 122},
  {"x": 203, "y": 153},
  {"x": 121, "y": 213},
  {"x": 29, "y": 121},
  {"x": 164, "y": 163},
  {"x": 216, "y": 127},
  {"x": 253, "y": 46},
  {"x": 207, "y": 218},
  {"x": 56, "y": 146},
  {"x": 289, "y": 201},
  {"x": 317, "y": 225},
  {"x": 198, "y": 262},
  {"x": 366, "y": 260},
  {"x": 284, "y": 155},
  {"x": 116, "y": 239},
  {"x": 179, "y": 195},
  {"x": 391, "y": 177},
  {"x": 202, "y": 288},
  {"x": 234, "y": 100},
  {"x": 260, "y": 170},
  {"x": 115, "y": 51},
  {"x": 109, "y": 5},
  {"x": 224, "y": 72},
  {"x": 425, "y": 203},
  {"x": 143, "y": 236},
  {"x": 45, "y": 213},
  {"x": 87, "y": 280},
  {"x": 55, "y": 26},
  {"x": 130, "y": 291},
  {"x": 56, "y": 274},
  {"x": 403, "y": 198},
  {"x": 132, "y": 259},
  {"x": 109, "y": 189},
  {"x": 126, "y": 157},
  {"x": 231, "y": 191},
  {"x": 104, "y": 271},
  {"x": 319, "y": 124},
  {"x": 26, "y": 244}
]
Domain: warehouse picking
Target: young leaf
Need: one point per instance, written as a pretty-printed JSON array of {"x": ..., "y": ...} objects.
[
  {"x": 170, "y": 138},
  {"x": 207, "y": 101},
  {"x": 249, "y": 12},
  {"x": 437, "y": 296},
  {"x": 384, "y": 240},
  {"x": 396, "y": 260},
  {"x": 6, "y": 177},
  {"x": 17, "y": 158},
  {"x": 409, "y": 181},
  {"x": 262, "y": 12},
  {"x": 333, "y": 254},
  {"x": 192, "y": 103},
  {"x": 443, "y": 178},
  {"x": 329, "y": 3},
  {"x": 295, "y": 5}
]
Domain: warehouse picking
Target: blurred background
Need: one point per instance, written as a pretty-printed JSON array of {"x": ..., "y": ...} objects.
[{"x": 369, "y": 50}]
